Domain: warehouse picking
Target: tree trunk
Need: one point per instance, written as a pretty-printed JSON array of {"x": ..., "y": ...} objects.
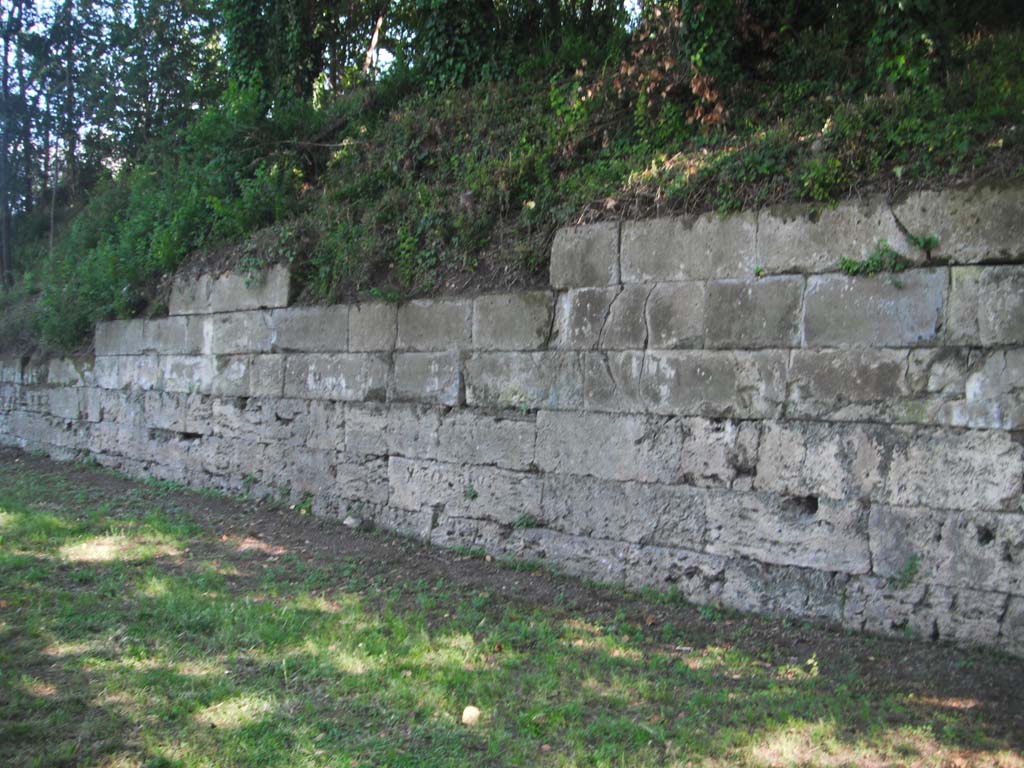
[{"x": 374, "y": 41}]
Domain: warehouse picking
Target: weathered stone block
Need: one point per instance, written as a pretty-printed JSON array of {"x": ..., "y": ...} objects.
[
  {"x": 754, "y": 314},
  {"x": 978, "y": 550},
  {"x": 65, "y": 371},
  {"x": 585, "y": 256},
  {"x": 904, "y": 310},
  {"x": 581, "y": 316},
  {"x": 119, "y": 337},
  {"x": 512, "y": 321},
  {"x": 1001, "y": 309},
  {"x": 346, "y": 377},
  {"x": 65, "y": 403},
  {"x": 478, "y": 438},
  {"x": 675, "y": 316},
  {"x": 698, "y": 577},
  {"x": 412, "y": 431},
  {"x": 626, "y": 326},
  {"x": 847, "y": 384},
  {"x": 701, "y": 248},
  {"x": 786, "y": 530},
  {"x": 174, "y": 336},
  {"x": 310, "y": 329},
  {"x": 1011, "y": 631},
  {"x": 784, "y": 590},
  {"x": 715, "y": 384},
  {"x": 141, "y": 372},
  {"x": 364, "y": 482},
  {"x": 639, "y": 513},
  {"x": 972, "y": 225},
  {"x": 575, "y": 555},
  {"x": 962, "y": 309},
  {"x": 165, "y": 410},
  {"x": 430, "y": 377},
  {"x": 971, "y": 470},
  {"x": 232, "y": 292},
  {"x": 484, "y": 493},
  {"x": 248, "y": 376},
  {"x": 10, "y": 369},
  {"x": 366, "y": 427},
  {"x": 431, "y": 325},
  {"x": 823, "y": 460},
  {"x": 105, "y": 372},
  {"x": 240, "y": 332},
  {"x": 445, "y": 531},
  {"x": 992, "y": 396},
  {"x": 202, "y": 294},
  {"x": 524, "y": 380},
  {"x": 813, "y": 239},
  {"x": 325, "y": 426},
  {"x": 611, "y": 381},
  {"x": 372, "y": 327}
]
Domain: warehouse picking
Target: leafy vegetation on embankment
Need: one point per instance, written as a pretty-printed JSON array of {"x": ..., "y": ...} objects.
[
  {"x": 450, "y": 172},
  {"x": 145, "y": 625}
]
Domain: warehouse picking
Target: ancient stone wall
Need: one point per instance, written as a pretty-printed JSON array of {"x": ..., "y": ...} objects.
[{"x": 709, "y": 405}]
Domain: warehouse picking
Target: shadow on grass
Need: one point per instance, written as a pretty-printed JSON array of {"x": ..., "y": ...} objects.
[{"x": 166, "y": 646}]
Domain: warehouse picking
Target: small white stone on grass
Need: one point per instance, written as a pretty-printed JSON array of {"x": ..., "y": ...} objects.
[{"x": 470, "y": 715}]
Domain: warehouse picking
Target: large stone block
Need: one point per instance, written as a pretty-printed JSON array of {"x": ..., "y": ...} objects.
[
  {"x": 585, "y": 256},
  {"x": 1001, "y": 309},
  {"x": 348, "y": 377},
  {"x": 904, "y": 310},
  {"x": 611, "y": 382},
  {"x": 399, "y": 429},
  {"x": 428, "y": 325},
  {"x": 639, "y": 513},
  {"x": 754, "y": 314},
  {"x": 579, "y": 556},
  {"x": 364, "y": 482},
  {"x": 783, "y": 590},
  {"x": 992, "y": 395},
  {"x": 241, "y": 332},
  {"x": 611, "y": 447},
  {"x": 674, "y": 315},
  {"x": 174, "y": 336},
  {"x": 581, "y": 316},
  {"x": 986, "y": 306},
  {"x": 834, "y": 461},
  {"x": 119, "y": 337},
  {"x": 645, "y": 448},
  {"x": 230, "y": 292},
  {"x": 848, "y": 384},
  {"x": 325, "y": 427},
  {"x": 955, "y": 470},
  {"x": 972, "y": 225},
  {"x": 472, "y": 437},
  {"x": 524, "y": 380},
  {"x": 698, "y": 577},
  {"x": 66, "y": 403},
  {"x": 248, "y": 376},
  {"x": 429, "y": 377},
  {"x": 310, "y": 329},
  {"x": 932, "y": 612},
  {"x": 10, "y": 369},
  {"x": 166, "y": 410},
  {"x": 512, "y": 321},
  {"x": 715, "y": 384},
  {"x": 64, "y": 371},
  {"x": 786, "y": 530},
  {"x": 701, "y": 248},
  {"x": 813, "y": 239},
  {"x": 372, "y": 327},
  {"x": 1011, "y": 630},
  {"x": 626, "y": 325},
  {"x": 979, "y": 550},
  {"x": 142, "y": 372},
  {"x": 484, "y": 493}
]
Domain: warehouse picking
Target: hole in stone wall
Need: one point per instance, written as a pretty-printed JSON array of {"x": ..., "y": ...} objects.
[
  {"x": 985, "y": 535},
  {"x": 807, "y": 505},
  {"x": 190, "y": 435}
]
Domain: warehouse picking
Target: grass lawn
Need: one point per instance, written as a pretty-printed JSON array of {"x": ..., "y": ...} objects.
[{"x": 145, "y": 625}]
